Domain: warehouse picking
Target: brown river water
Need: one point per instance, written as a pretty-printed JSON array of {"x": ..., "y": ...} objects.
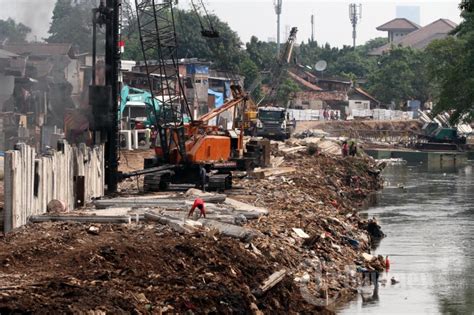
[{"x": 428, "y": 216}]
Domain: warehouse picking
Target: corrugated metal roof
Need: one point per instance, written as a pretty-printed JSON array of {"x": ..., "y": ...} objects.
[
  {"x": 399, "y": 24},
  {"x": 420, "y": 38},
  {"x": 4, "y": 54},
  {"x": 366, "y": 94},
  {"x": 40, "y": 49}
]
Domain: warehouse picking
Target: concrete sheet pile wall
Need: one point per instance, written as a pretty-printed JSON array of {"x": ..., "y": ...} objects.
[{"x": 31, "y": 182}]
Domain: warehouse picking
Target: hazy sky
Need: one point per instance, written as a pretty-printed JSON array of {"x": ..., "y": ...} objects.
[{"x": 258, "y": 17}]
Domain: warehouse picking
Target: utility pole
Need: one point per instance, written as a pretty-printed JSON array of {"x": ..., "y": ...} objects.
[
  {"x": 104, "y": 98},
  {"x": 312, "y": 28},
  {"x": 355, "y": 14},
  {"x": 278, "y": 5}
]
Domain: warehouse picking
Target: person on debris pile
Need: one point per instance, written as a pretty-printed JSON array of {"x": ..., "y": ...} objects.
[
  {"x": 374, "y": 229},
  {"x": 353, "y": 149},
  {"x": 198, "y": 203},
  {"x": 345, "y": 149}
]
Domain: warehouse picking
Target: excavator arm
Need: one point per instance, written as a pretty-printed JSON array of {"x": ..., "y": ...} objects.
[{"x": 239, "y": 97}]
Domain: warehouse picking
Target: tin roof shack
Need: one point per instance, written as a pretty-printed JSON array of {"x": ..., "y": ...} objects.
[
  {"x": 319, "y": 93},
  {"x": 44, "y": 80},
  {"x": 202, "y": 85},
  {"x": 11, "y": 65}
]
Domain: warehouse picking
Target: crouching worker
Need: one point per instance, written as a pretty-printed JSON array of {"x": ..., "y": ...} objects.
[{"x": 198, "y": 203}]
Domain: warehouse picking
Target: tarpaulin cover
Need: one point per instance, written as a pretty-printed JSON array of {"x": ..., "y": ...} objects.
[
  {"x": 219, "y": 97},
  {"x": 197, "y": 69}
]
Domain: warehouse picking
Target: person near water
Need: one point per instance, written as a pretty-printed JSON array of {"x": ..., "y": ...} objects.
[
  {"x": 353, "y": 149},
  {"x": 345, "y": 149}
]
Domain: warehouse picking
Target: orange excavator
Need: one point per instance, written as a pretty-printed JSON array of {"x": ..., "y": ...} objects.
[
  {"x": 188, "y": 150},
  {"x": 211, "y": 152}
]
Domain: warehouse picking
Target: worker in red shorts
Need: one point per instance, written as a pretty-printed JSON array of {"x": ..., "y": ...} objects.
[{"x": 198, "y": 203}]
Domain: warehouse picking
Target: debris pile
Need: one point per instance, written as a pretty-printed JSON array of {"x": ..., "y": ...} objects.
[
  {"x": 285, "y": 241},
  {"x": 313, "y": 226}
]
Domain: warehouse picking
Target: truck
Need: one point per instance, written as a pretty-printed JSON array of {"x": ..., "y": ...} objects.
[
  {"x": 274, "y": 123},
  {"x": 273, "y": 120}
]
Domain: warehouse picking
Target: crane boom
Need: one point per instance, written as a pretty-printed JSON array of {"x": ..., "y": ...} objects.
[
  {"x": 278, "y": 72},
  {"x": 157, "y": 31}
]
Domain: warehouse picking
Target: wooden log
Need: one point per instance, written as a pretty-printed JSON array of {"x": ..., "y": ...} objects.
[
  {"x": 234, "y": 231},
  {"x": 140, "y": 202},
  {"x": 81, "y": 219},
  {"x": 270, "y": 282},
  {"x": 176, "y": 224},
  {"x": 293, "y": 149}
]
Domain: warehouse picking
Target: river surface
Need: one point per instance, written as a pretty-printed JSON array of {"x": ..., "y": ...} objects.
[{"x": 428, "y": 216}]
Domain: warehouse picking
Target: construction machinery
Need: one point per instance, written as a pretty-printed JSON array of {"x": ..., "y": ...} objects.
[
  {"x": 439, "y": 134},
  {"x": 273, "y": 119},
  {"x": 188, "y": 150},
  {"x": 436, "y": 137}
]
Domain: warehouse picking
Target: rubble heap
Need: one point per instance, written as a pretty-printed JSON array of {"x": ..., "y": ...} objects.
[
  {"x": 320, "y": 199},
  {"x": 309, "y": 251}
]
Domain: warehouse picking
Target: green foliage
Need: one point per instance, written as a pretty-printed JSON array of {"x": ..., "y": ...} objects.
[
  {"x": 263, "y": 54},
  {"x": 401, "y": 75},
  {"x": 345, "y": 62},
  {"x": 249, "y": 69},
  {"x": 225, "y": 51},
  {"x": 353, "y": 65},
  {"x": 14, "y": 32},
  {"x": 451, "y": 65},
  {"x": 286, "y": 91},
  {"x": 371, "y": 45},
  {"x": 72, "y": 24}
]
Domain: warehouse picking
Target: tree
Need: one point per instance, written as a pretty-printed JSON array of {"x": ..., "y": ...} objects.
[
  {"x": 263, "y": 54},
  {"x": 225, "y": 51},
  {"x": 249, "y": 69},
  {"x": 72, "y": 24},
  {"x": 371, "y": 45},
  {"x": 286, "y": 91},
  {"x": 392, "y": 80},
  {"x": 451, "y": 64},
  {"x": 14, "y": 32}
]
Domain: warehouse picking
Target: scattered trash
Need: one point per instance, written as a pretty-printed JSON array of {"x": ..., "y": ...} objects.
[{"x": 93, "y": 230}]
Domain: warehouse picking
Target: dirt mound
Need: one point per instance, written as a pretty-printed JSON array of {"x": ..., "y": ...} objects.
[{"x": 51, "y": 268}]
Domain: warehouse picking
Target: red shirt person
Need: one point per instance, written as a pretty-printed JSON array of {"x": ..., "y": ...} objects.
[{"x": 198, "y": 203}]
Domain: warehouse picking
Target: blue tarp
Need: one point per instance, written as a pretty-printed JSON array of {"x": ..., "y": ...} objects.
[
  {"x": 197, "y": 69},
  {"x": 219, "y": 97}
]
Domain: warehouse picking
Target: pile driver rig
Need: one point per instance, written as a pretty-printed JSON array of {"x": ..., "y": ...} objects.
[{"x": 187, "y": 150}]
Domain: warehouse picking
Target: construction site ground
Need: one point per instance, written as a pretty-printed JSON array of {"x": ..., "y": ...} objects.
[
  {"x": 312, "y": 233},
  {"x": 360, "y": 125}
]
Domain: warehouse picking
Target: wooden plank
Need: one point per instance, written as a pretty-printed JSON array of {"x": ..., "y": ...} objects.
[
  {"x": 83, "y": 219},
  {"x": 270, "y": 282}
]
